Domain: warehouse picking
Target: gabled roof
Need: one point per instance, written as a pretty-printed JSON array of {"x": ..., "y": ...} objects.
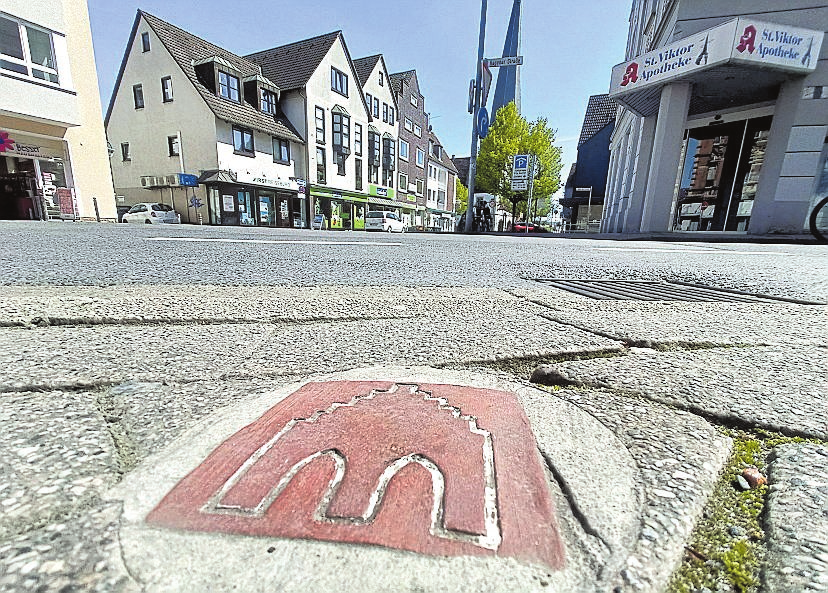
[
  {"x": 187, "y": 49},
  {"x": 398, "y": 78},
  {"x": 364, "y": 67},
  {"x": 445, "y": 160},
  {"x": 461, "y": 164},
  {"x": 291, "y": 66},
  {"x": 600, "y": 111}
]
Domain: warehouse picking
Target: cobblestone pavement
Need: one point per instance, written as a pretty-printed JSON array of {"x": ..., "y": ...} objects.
[{"x": 118, "y": 350}]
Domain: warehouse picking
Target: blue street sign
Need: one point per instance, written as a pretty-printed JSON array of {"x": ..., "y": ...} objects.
[
  {"x": 482, "y": 122},
  {"x": 187, "y": 180},
  {"x": 522, "y": 161}
]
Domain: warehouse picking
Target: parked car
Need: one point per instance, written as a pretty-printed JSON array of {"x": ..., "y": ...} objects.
[
  {"x": 383, "y": 220},
  {"x": 520, "y": 227},
  {"x": 318, "y": 223},
  {"x": 151, "y": 213}
]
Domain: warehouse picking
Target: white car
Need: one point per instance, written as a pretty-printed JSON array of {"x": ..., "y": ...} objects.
[
  {"x": 384, "y": 220},
  {"x": 151, "y": 213}
]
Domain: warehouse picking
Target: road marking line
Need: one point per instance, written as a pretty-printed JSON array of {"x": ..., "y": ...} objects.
[
  {"x": 275, "y": 242},
  {"x": 667, "y": 250}
]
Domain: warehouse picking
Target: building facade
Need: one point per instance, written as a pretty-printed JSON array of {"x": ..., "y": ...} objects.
[
  {"x": 199, "y": 128},
  {"x": 724, "y": 117},
  {"x": 440, "y": 187},
  {"x": 585, "y": 187},
  {"x": 413, "y": 145},
  {"x": 53, "y": 152}
]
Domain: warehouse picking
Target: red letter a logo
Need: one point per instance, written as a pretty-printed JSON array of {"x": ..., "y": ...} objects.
[
  {"x": 748, "y": 40},
  {"x": 631, "y": 75}
]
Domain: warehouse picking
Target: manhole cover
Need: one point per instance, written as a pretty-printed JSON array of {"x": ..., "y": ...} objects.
[{"x": 648, "y": 290}]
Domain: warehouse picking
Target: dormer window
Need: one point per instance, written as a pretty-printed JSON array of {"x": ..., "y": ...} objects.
[
  {"x": 268, "y": 102},
  {"x": 380, "y": 78},
  {"x": 228, "y": 86}
]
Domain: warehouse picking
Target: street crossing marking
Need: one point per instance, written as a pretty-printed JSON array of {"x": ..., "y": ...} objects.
[{"x": 275, "y": 241}]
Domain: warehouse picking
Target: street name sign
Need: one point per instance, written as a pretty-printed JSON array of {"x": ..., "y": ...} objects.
[{"x": 506, "y": 61}]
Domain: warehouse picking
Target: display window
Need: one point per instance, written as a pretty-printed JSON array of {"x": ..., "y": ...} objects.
[{"x": 719, "y": 175}]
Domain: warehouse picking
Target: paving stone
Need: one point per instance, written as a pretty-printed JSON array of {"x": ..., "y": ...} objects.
[
  {"x": 55, "y": 455},
  {"x": 54, "y": 357},
  {"x": 797, "y": 519},
  {"x": 80, "y": 552},
  {"x": 782, "y": 389},
  {"x": 675, "y": 322}
]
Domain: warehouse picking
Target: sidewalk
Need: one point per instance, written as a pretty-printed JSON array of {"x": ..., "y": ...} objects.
[{"x": 121, "y": 402}]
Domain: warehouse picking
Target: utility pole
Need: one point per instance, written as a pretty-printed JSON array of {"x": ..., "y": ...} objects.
[
  {"x": 531, "y": 190},
  {"x": 477, "y": 85}
]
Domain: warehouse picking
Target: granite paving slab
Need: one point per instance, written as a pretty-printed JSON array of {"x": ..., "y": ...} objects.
[
  {"x": 781, "y": 389},
  {"x": 670, "y": 323},
  {"x": 797, "y": 519},
  {"x": 55, "y": 357},
  {"x": 56, "y": 454}
]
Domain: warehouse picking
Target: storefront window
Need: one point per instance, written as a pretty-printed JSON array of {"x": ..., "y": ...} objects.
[
  {"x": 719, "y": 176},
  {"x": 267, "y": 210},
  {"x": 247, "y": 212}
]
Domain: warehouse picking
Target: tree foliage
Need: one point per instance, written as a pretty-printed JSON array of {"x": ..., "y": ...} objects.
[
  {"x": 461, "y": 196},
  {"x": 512, "y": 134}
]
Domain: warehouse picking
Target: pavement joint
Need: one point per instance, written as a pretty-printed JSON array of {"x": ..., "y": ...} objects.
[{"x": 111, "y": 409}]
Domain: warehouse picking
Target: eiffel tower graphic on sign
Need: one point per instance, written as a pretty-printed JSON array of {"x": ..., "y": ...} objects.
[
  {"x": 704, "y": 55},
  {"x": 806, "y": 59}
]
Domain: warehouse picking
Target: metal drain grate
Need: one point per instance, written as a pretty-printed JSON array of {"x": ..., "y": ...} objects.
[{"x": 648, "y": 290}]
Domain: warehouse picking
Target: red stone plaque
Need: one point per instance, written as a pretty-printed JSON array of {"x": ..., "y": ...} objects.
[{"x": 435, "y": 469}]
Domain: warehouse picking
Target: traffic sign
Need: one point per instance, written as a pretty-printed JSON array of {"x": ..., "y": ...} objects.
[
  {"x": 505, "y": 61},
  {"x": 482, "y": 122},
  {"x": 187, "y": 180},
  {"x": 486, "y": 83},
  {"x": 520, "y": 184},
  {"x": 520, "y": 167}
]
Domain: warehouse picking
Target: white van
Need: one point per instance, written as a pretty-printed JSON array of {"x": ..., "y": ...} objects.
[{"x": 384, "y": 220}]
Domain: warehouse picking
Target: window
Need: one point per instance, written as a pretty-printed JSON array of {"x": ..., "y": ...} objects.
[
  {"x": 415, "y": 101},
  {"x": 409, "y": 125},
  {"x": 368, "y": 101},
  {"x": 243, "y": 141},
  {"x": 320, "y": 165},
  {"x": 404, "y": 150},
  {"x": 339, "y": 160},
  {"x": 268, "y": 102},
  {"x": 38, "y": 59},
  {"x": 387, "y": 178},
  {"x": 138, "y": 96},
  {"x": 385, "y": 112},
  {"x": 373, "y": 174},
  {"x": 320, "y": 125},
  {"x": 125, "y": 154},
  {"x": 339, "y": 82},
  {"x": 341, "y": 133},
  {"x": 391, "y": 115},
  {"x": 228, "y": 86},
  {"x": 358, "y": 173},
  {"x": 145, "y": 42},
  {"x": 420, "y": 157},
  {"x": 419, "y": 187},
  {"x": 388, "y": 153},
  {"x": 166, "y": 89},
  {"x": 403, "y": 182},
  {"x": 380, "y": 78},
  {"x": 173, "y": 146},
  {"x": 374, "y": 148},
  {"x": 418, "y": 131},
  {"x": 358, "y": 139},
  {"x": 376, "y": 108},
  {"x": 281, "y": 151}
]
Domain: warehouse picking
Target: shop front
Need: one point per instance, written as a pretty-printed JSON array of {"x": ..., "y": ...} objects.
[
  {"x": 342, "y": 210},
  {"x": 35, "y": 178},
  {"x": 709, "y": 105},
  {"x": 250, "y": 200}
]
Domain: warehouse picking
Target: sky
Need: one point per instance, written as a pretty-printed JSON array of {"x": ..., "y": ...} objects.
[{"x": 569, "y": 49}]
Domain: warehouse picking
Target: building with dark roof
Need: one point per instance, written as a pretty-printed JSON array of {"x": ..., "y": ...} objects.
[
  {"x": 587, "y": 181},
  {"x": 413, "y": 143},
  {"x": 441, "y": 186},
  {"x": 184, "y": 109}
]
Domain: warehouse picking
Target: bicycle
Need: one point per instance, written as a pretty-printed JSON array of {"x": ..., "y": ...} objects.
[{"x": 818, "y": 221}]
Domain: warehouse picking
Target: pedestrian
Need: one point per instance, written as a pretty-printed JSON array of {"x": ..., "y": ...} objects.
[{"x": 487, "y": 217}]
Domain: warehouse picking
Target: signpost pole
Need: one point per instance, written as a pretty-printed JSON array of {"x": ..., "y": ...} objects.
[
  {"x": 531, "y": 190},
  {"x": 589, "y": 208},
  {"x": 473, "y": 154}
]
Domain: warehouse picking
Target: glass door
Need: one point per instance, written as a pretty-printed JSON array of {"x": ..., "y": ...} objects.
[{"x": 719, "y": 176}]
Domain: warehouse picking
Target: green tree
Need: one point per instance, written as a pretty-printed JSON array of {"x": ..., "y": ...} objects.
[
  {"x": 461, "y": 196},
  {"x": 512, "y": 134}
]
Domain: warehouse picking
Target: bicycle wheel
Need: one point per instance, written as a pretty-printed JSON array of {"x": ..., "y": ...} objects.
[{"x": 819, "y": 220}]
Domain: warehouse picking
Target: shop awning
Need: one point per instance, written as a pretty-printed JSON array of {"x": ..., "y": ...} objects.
[
  {"x": 216, "y": 176},
  {"x": 738, "y": 62},
  {"x": 389, "y": 203}
]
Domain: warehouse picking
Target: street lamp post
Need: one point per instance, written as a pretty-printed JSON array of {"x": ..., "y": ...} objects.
[{"x": 473, "y": 157}]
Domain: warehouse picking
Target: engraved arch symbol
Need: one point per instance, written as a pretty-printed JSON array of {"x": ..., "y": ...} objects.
[{"x": 490, "y": 538}]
